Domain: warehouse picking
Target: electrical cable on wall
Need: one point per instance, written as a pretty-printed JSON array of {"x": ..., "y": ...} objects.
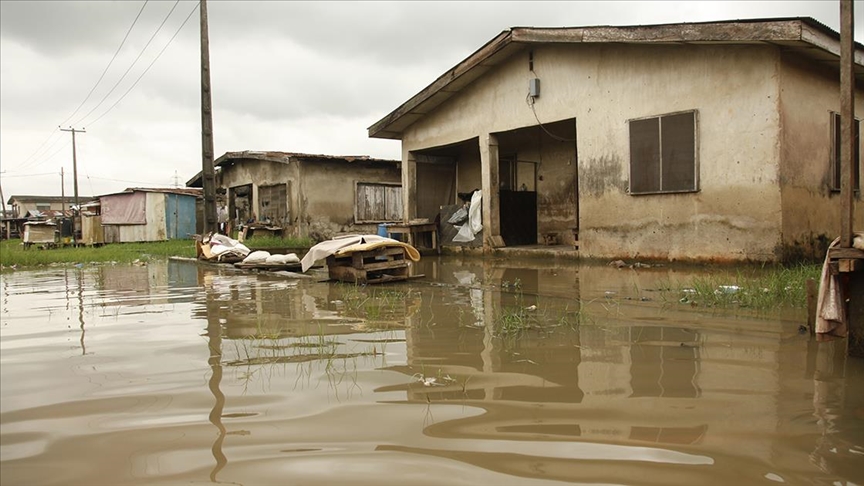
[{"x": 530, "y": 101}]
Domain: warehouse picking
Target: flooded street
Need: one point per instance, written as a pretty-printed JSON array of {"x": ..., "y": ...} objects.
[{"x": 483, "y": 372}]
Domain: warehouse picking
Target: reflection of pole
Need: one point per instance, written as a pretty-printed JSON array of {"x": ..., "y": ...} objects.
[
  {"x": 214, "y": 335},
  {"x": 81, "y": 310}
]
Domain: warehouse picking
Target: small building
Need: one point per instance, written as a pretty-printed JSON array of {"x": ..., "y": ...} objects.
[
  {"x": 43, "y": 233},
  {"x": 92, "y": 232},
  {"x": 25, "y": 206},
  {"x": 307, "y": 195},
  {"x": 692, "y": 141},
  {"x": 143, "y": 214}
]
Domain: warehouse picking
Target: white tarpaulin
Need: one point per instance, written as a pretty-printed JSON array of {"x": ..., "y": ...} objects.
[{"x": 469, "y": 230}]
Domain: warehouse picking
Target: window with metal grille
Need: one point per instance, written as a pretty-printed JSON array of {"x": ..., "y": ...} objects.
[
  {"x": 663, "y": 154},
  {"x": 378, "y": 203},
  {"x": 835, "y": 154},
  {"x": 273, "y": 204}
]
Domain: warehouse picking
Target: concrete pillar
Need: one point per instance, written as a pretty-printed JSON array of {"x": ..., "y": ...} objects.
[
  {"x": 491, "y": 204},
  {"x": 409, "y": 187}
]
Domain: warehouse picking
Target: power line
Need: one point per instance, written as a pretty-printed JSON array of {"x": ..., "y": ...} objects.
[
  {"x": 130, "y": 66},
  {"x": 148, "y": 67},
  {"x": 55, "y": 131},
  {"x": 109, "y": 64}
]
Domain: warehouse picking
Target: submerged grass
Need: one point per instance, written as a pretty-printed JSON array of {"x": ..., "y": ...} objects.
[
  {"x": 13, "y": 254},
  {"x": 758, "y": 288}
]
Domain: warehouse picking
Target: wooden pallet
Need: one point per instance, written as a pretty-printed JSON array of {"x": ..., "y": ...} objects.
[{"x": 387, "y": 264}]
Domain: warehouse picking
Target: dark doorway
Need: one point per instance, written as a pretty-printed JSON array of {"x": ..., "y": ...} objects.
[{"x": 518, "y": 217}]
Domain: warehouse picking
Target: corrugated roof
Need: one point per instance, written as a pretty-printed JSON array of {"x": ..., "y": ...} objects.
[
  {"x": 48, "y": 199},
  {"x": 185, "y": 191},
  {"x": 229, "y": 158}
]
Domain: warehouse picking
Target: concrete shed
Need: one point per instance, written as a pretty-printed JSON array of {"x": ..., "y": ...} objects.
[
  {"x": 143, "y": 214},
  {"x": 308, "y": 195},
  {"x": 694, "y": 141}
]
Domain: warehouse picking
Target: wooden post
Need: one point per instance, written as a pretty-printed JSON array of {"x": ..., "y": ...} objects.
[
  {"x": 812, "y": 299},
  {"x": 409, "y": 188},
  {"x": 847, "y": 121},
  {"x": 491, "y": 202},
  {"x": 208, "y": 177}
]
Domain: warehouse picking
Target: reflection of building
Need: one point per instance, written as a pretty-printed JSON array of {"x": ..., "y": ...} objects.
[{"x": 703, "y": 390}]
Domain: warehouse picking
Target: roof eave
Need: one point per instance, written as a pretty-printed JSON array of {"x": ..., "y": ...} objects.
[{"x": 787, "y": 32}]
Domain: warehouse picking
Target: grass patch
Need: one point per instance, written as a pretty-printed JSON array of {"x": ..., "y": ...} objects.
[
  {"x": 754, "y": 288},
  {"x": 13, "y": 254}
]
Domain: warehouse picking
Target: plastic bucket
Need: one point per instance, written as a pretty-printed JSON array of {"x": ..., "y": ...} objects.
[{"x": 382, "y": 230}]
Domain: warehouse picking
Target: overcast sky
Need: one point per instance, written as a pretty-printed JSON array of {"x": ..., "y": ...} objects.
[{"x": 286, "y": 76}]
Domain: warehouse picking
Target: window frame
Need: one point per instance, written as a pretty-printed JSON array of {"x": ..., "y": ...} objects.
[
  {"x": 268, "y": 189},
  {"x": 834, "y": 163},
  {"x": 357, "y": 185},
  {"x": 696, "y": 186}
]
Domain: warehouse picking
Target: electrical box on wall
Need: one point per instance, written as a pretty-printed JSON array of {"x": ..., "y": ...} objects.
[{"x": 534, "y": 87}]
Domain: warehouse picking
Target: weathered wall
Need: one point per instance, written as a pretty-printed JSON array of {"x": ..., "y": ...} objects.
[
  {"x": 328, "y": 195},
  {"x": 321, "y": 193},
  {"x": 810, "y": 210},
  {"x": 265, "y": 173},
  {"x": 154, "y": 230},
  {"x": 736, "y": 213}
]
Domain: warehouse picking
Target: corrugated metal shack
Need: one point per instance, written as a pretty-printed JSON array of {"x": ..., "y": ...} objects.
[{"x": 144, "y": 214}]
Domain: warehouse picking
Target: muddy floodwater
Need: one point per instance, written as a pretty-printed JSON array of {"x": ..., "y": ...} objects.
[{"x": 491, "y": 372}]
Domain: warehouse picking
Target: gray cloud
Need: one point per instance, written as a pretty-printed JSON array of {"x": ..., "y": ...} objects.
[{"x": 294, "y": 76}]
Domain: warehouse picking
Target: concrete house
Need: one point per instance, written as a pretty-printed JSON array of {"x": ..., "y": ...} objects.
[
  {"x": 309, "y": 195},
  {"x": 696, "y": 141},
  {"x": 142, "y": 214}
]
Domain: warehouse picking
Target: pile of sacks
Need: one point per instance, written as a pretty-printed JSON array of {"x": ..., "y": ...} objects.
[
  {"x": 224, "y": 249},
  {"x": 265, "y": 258}
]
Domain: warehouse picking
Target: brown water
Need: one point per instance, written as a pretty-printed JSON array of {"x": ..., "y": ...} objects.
[{"x": 175, "y": 373}]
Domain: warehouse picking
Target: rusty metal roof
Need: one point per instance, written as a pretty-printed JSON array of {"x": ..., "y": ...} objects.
[
  {"x": 804, "y": 35},
  {"x": 183, "y": 191},
  {"x": 230, "y": 158},
  {"x": 285, "y": 157}
]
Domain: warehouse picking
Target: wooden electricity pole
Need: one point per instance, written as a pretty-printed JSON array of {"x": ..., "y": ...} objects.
[
  {"x": 208, "y": 177},
  {"x": 847, "y": 121},
  {"x": 74, "y": 181},
  {"x": 62, "y": 192}
]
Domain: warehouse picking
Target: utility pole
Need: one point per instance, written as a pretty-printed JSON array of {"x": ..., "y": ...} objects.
[
  {"x": 5, "y": 216},
  {"x": 62, "y": 192},
  {"x": 208, "y": 177},
  {"x": 75, "y": 180},
  {"x": 847, "y": 121}
]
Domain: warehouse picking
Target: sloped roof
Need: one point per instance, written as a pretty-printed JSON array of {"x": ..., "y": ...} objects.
[
  {"x": 230, "y": 158},
  {"x": 803, "y": 35},
  {"x": 183, "y": 191},
  {"x": 47, "y": 199}
]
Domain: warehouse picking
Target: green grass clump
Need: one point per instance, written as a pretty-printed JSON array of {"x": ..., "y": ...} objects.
[
  {"x": 755, "y": 288},
  {"x": 13, "y": 254}
]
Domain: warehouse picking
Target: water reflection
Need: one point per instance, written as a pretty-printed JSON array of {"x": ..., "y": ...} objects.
[{"x": 505, "y": 372}]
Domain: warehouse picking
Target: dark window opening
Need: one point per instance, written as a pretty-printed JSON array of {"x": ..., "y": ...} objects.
[{"x": 663, "y": 154}]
